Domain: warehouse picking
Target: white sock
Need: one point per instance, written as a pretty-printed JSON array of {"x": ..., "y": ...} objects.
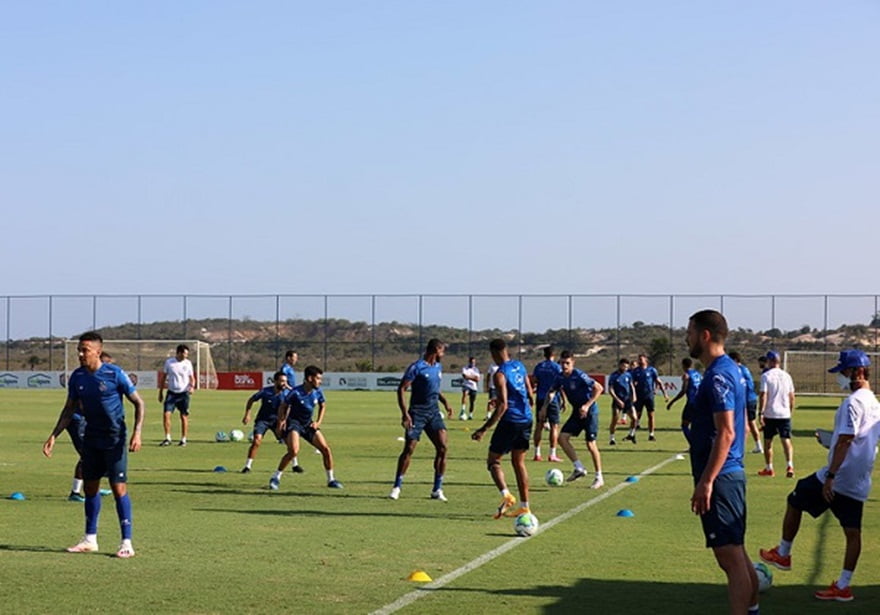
[
  {"x": 769, "y": 466},
  {"x": 651, "y": 434},
  {"x": 91, "y": 538},
  {"x": 553, "y": 451},
  {"x": 277, "y": 475},
  {"x": 505, "y": 492},
  {"x": 526, "y": 505},
  {"x": 76, "y": 486},
  {"x": 537, "y": 451},
  {"x": 168, "y": 437},
  {"x": 784, "y": 548},
  {"x": 329, "y": 475},
  {"x": 249, "y": 463},
  {"x": 632, "y": 431},
  {"x": 578, "y": 465},
  {"x": 599, "y": 474},
  {"x": 183, "y": 438},
  {"x": 845, "y": 579},
  {"x": 295, "y": 462}
]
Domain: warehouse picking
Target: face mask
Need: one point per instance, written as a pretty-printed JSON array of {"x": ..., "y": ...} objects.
[{"x": 844, "y": 382}]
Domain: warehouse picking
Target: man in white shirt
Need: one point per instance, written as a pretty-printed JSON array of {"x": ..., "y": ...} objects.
[
  {"x": 844, "y": 484},
  {"x": 470, "y": 380},
  {"x": 178, "y": 376},
  {"x": 776, "y": 402}
]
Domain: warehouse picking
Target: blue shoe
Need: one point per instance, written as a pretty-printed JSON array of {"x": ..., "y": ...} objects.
[
  {"x": 106, "y": 492},
  {"x": 75, "y": 497},
  {"x": 274, "y": 483},
  {"x": 334, "y": 484}
]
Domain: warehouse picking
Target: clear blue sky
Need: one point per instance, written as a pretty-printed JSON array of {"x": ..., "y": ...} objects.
[{"x": 439, "y": 147}]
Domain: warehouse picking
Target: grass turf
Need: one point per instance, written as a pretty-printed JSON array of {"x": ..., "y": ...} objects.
[{"x": 212, "y": 542}]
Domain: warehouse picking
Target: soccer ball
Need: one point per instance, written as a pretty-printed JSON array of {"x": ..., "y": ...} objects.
[
  {"x": 765, "y": 576},
  {"x": 525, "y": 524},
  {"x": 554, "y": 477},
  {"x": 221, "y": 436},
  {"x": 236, "y": 435}
]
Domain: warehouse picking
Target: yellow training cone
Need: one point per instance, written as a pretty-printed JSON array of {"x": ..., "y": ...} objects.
[{"x": 418, "y": 576}]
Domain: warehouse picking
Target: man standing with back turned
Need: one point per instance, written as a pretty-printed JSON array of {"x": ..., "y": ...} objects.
[{"x": 717, "y": 443}]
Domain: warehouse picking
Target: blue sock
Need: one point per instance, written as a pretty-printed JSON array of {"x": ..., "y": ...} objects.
[
  {"x": 438, "y": 482},
  {"x": 398, "y": 482},
  {"x": 123, "y": 511},
  {"x": 93, "y": 509}
]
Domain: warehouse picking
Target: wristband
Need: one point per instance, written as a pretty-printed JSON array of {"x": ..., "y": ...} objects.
[{"x": 830, "y": 474}]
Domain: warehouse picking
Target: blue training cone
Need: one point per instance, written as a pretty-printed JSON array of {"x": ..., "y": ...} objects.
[
  {"x": 632, "y": 479},
  {"x": 625, "y": 512},
  {"x": 220, "y": 469},
  {"x": 18, "y": 495}
]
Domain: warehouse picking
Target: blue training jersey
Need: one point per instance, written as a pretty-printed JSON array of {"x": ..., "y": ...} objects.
[
  {"x": 546, "y": 373},
  {"x": 518, "y": 408},
  {"x": 694, "y": 379},
  {"x": 98, "y": 395},
  {"x": 751, "y": 394},
  {"x": 645, "y": 379},
  {"x": 302, "y": 403},
  {"x": 425, "y": 387},
  {"x": 287, "y": 370},
  {"x": 722, "y": 390},
  {"x": 578, "y": 388},
  {"x": 620, "y": 383},
  {"x": 269, "y": 401}
]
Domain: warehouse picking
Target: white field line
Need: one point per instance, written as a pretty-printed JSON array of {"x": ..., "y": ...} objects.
[{"x": 425, "y": 589}]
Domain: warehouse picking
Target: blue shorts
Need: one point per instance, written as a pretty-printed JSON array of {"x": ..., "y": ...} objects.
[
  {"x": 552, "y": 410},
  {"x": 627, "y": 406},
  {"x": 725, "y": 521},
  {"x": 589, "y": 424},
  {"x": 777, "y": 426},
  {"x": 307, "y": 432},
  {"x": 752, "y": 409},
  {"x": 261, "y": 426},
  {"x": 807, "y": 495},
  {"x": 687, "y": 413},
  {"x": 645, "y": 403},
  {"x": 110, "y": 462},
  {"x": 510, "y": 437},
  {"x": 77, "y": 429},
  {"x": 177, "y": 400},
  {"x": 429, "y": 422}
]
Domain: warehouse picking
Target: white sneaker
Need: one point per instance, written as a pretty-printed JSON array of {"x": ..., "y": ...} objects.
[
  {"x": 83, "y": 546},
  {"x": 395, "y": 493},
  {"x": 462, "y": 417},
  {"x": 598, "y": 483},
  {"x": 437, "y": 495},
  {"x": 125, "y": 550},
  {"x": 758, "y": 449}
]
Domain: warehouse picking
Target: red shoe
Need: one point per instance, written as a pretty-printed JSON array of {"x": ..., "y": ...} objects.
[
  {"x": 835, "y": 593},
  {"x": 789, "y": 473},
  {"x": 537, "y": 458},
  {"x": 772, "y": 557},
  {"x": 766, "y": 472}
]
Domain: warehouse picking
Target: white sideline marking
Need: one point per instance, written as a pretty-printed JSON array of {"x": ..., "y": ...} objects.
[{"x": 425, "y": 590}]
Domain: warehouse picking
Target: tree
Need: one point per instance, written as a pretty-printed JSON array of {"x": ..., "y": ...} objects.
[
  {"x": 660, "y": 350},
  {"x": 33, "y": 361}
]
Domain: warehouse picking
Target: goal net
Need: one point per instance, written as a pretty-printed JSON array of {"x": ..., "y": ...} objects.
[
  {"x": 149, "y": 356},
  {"x": 809, "y": 370}
]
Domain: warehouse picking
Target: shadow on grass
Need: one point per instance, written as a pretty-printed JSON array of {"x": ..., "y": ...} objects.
[
  {"x": 613, "y": 597},
  {"x": 45, "y": 549},
  {"x": 301, "y": 512}
]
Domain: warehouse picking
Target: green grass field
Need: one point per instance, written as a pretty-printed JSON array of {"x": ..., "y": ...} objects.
[{"x": 222, "y": 542}]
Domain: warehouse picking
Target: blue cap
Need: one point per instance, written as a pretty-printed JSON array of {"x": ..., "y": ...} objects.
[
  {"x": 772, "y": 355},
  {"x": 850, "y": 358}
]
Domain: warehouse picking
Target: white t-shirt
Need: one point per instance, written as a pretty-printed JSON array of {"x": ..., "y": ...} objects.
[
  {"x": 177, "y": 374},
  {"x": 467, "y": 383},
  {"x": 858, "y": 416},
  {"x": 777, "y": 385},
  {"x": 491, "y": 377}
]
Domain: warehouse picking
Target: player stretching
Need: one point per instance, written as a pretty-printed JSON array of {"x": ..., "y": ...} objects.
[
  {"x": 582, "y": 392},
  {"x": 296, "y": 419},
  {"x": 96, "y": 389},
  {"x": 425, "y": 377},
  {"x": 513, "y": 420},
  {"x": 844, "y": 484},
  {"x": 270, "y": 399}
]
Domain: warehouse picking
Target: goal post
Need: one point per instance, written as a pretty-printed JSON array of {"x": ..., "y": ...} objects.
[
  {"x": 150, "y": 356},
  {"x": 809, "y": 370}
]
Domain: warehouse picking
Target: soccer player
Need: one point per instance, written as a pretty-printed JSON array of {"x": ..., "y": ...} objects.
[
  {"x": 512, "y": 420},
  {"x": 290, "y": 359},
  {"x": 623, "y": 393},
  {"x": 470, "y": 384},
  {"x": 425, "y": 377},
  {"x": 646, "y": 381},
  {"x": 844, "y": 483},
  {"x": 96, "y": 389},
  {"x": 178, "y": 376},
  {"x": 582, "y": 392},
  {"x": 545, "y": 374},
  {"x": 776, "y": 401},
  {"x": 717, "y": 444},
  {"x": 751, "y": 401},
  {"x": 490, "y": 390},
  {"x": 270, "y": 399},
  {"x": 690, "y": 382},
  {"x": 296, "y": 418}
]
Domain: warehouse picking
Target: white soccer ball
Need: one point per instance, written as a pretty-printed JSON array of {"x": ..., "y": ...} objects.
[
  {"x": 236, "y": 435},
  {"x": 765, "y": 576},
  {"x": 525, "y": 524},
  {"x": 554, "y": 477},
  {"x": 221, "y": 436}
]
